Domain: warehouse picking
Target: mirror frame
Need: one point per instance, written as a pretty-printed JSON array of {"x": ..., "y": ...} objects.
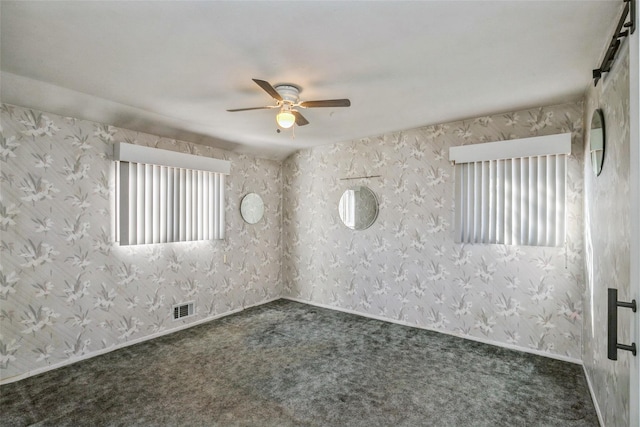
[
  {"x": 375, "y": 200},
  {"x": 246, "y": 208},
  {"x": 596, "y": 164}
]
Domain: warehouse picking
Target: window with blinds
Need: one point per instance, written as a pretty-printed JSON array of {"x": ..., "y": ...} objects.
[
  {"x": 164, "y": 196},
  {"x": 512, "y": 192}
]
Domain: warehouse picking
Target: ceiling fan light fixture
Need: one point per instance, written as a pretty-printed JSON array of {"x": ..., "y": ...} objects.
[
  {"x": 287, "y": 98},
  {"x": 285, "y": 119}
]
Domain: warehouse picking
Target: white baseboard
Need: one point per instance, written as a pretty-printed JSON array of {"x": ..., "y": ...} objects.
[
  {"x": 593, "y": 396},
  {"x": 126, "y": 344},
  {"x": 357, "y": 313},
  {"x": 468, "y": 337}
]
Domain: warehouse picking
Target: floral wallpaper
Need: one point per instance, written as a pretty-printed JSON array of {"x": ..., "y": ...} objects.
[
  {"x": 66, "y": 290},
  {"x": 607, "y": 244},
  {"x": 406, "y": 266}
]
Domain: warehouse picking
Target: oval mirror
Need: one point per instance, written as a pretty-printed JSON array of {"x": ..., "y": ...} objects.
[
  {"x": 358, "y": 208},
  {"x": 597, "y": 141},
  {"x": 252, "y": 208}
]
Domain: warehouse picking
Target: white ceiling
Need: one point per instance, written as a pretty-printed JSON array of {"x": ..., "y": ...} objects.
[{"x": 174, "y": 68}]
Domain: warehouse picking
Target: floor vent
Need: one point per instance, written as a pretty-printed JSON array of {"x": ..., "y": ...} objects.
[{"x": 182, "y": 310}]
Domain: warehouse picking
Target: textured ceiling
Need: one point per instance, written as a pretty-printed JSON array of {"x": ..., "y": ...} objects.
[{"x": 173, "y": 68}]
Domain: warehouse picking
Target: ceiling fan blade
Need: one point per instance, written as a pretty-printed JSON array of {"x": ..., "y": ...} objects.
[
  {"x": 266, "y": 86},
  {"x": 300, "y": 120},
  {"x": 326, "y": 103},
  {"x": 252, "y": 108}
]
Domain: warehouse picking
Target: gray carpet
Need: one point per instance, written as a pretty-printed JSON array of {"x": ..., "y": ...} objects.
[{"x": 290, "y": 364}]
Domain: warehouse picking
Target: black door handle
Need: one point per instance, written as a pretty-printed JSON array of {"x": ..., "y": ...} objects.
[{"x": 612, "y": 339}]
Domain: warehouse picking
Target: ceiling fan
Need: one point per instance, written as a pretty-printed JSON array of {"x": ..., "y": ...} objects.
[{"x": 287, "y": 100}]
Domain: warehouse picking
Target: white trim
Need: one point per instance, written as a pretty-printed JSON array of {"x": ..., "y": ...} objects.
[
  {"x": 102, "y": 351},
  {"x": 357, "y": 313},
  {"x": 592, "y": 394},
  {"x": 512, "y": 149},
  {"x": 634, "y": 189},
  {"x": 467, "y": 337},
  {"x": 125, "y": 152}
]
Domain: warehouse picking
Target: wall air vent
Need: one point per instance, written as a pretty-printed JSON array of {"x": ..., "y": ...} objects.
[{"x": 182, "y": 310}]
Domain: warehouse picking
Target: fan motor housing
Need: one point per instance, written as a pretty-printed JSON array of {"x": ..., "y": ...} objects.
[{"x": 290, "y": 94}]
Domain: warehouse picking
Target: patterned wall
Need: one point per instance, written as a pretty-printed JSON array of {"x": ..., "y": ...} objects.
[
  {"x": 607, "y": 245},
  {"x": 406, "y": 267},
  {"x": 66, "y": 291}
]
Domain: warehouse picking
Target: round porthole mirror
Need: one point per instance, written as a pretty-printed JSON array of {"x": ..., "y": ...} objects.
[
  {"x": 252, "y": 208},
  {"x": 597, "y": 141},
  {"x": 358, "y": 208}
]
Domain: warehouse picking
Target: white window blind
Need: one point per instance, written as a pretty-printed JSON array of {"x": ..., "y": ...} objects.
[
  {"x": 513, "y": 201},
  {"x": 159, "y": 203}
]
